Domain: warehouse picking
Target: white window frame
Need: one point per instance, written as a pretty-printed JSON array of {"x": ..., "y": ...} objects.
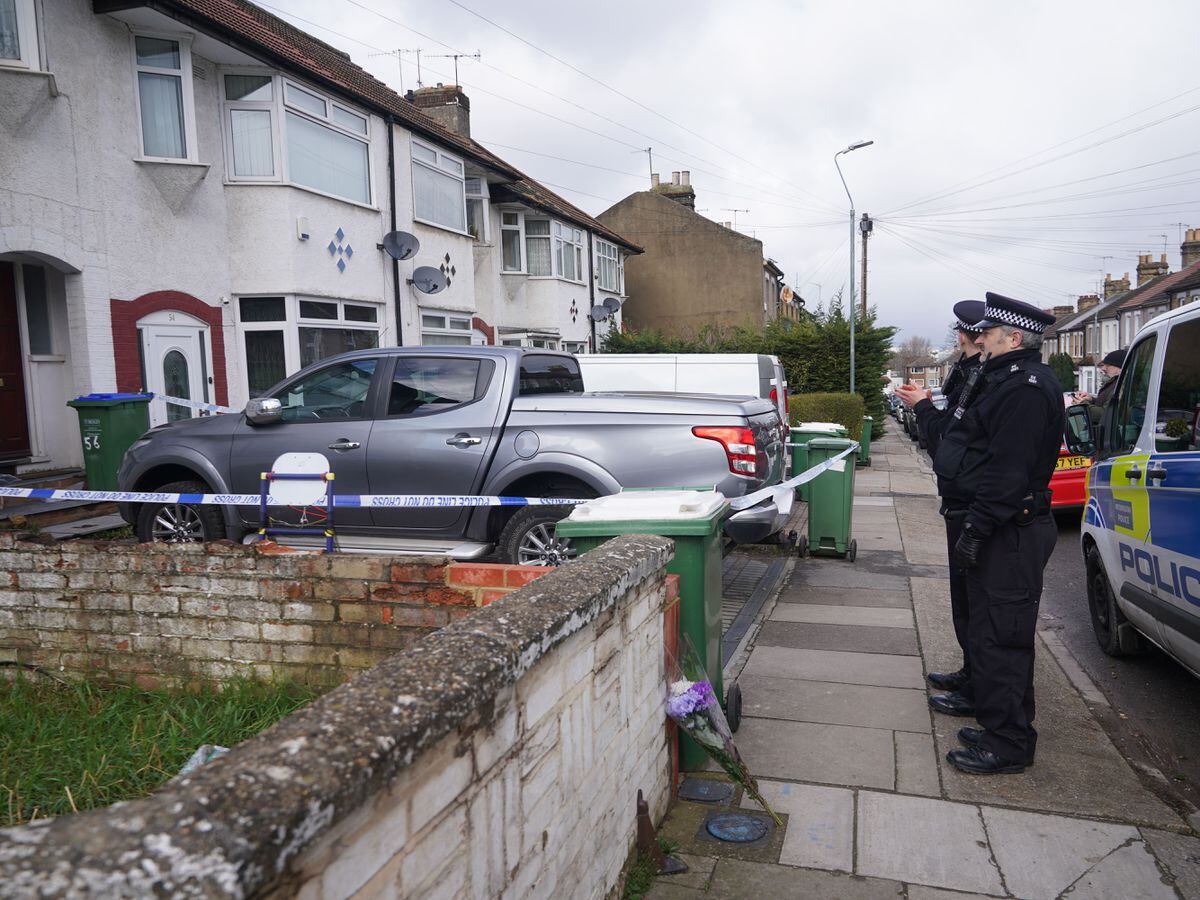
[
  {"x": 272, "y": 106},
  {"x": 574, "y": 347},
  {"x": 482, "y": 195},
  {"x": 609, "y": 257},
  {"x": 567, "y": 240},
  {"x": 519, "y": 228},
  {"x": 453, "y": 324},
  {"x": 440, "y": 168},
  {"x": 292, "y": 322},
  {"x": 31, "y": 50},
  {"x": 548, "y": 237},
  {"x": 326, "y": 122},
  {"x": 184, "y": 73}
]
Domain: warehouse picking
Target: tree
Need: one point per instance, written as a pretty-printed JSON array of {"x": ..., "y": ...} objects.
[
  {"x": 1063, "y": 368},
  {"x": 916, "y": 351}
]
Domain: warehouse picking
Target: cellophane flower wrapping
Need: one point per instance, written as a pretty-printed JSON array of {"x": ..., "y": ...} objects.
[{"x": 695, "y": 708}]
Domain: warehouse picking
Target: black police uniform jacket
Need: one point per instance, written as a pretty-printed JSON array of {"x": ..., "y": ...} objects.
[
  {"x": 1006, "y": 444},
  {"x": 931, "y": 421}
]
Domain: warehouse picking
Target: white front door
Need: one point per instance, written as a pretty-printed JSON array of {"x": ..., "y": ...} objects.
[{"x": 175, "y": 354}]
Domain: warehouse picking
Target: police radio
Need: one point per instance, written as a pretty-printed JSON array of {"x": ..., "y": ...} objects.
[{"x": 971, "y": 388}]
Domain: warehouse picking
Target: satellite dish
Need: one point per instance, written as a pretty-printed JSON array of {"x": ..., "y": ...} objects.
[
  {"x": 612, "y": 304},
  {"x": 428, "y": 280},
  {"x": 787, "y": 294},
  {"x": 599, "y": 313},
  {"x": 400, "y": 244}
]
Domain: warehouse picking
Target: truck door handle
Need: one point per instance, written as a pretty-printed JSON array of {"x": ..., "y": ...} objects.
[
  {"x": 1156, "y": 473},
  {"x": 1134, "y": 474},
  {"x": 463, "y": 440},
  {"x": 344, "y": 444}
]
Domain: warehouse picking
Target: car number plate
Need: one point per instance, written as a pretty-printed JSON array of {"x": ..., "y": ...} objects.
[{"x": 1072, "y": 462}]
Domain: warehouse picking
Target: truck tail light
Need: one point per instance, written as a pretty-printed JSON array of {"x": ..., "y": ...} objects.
[{"x": 740, "y": 448}]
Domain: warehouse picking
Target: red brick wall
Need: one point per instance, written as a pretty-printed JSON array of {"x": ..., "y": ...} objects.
[{"x": 157, "y": 614}]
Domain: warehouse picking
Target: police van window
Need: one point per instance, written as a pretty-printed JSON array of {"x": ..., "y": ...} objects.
[
  {"x": 1175, "y": 425},
  {"x": 550, "y": 375},
  {"x": 1130, "y": 407}
]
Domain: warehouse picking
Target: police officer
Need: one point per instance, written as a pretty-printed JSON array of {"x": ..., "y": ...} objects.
[
  {"x": 932, "y": 423},
  {"x": 996, "y": 464}
]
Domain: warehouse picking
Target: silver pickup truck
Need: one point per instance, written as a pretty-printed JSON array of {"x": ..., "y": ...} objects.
[{"x": 494, "y": 421}]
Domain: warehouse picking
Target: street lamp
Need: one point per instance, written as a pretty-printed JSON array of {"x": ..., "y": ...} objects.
[{"x": 857, "y": 145}]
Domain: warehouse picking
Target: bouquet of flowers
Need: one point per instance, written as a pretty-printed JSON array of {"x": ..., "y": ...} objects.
[{"x": 692, "y": 704}]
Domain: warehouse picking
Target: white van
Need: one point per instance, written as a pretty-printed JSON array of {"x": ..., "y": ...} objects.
[
  {"x": 1141, "y": 526},
  {"x": 727, "y": 374}
]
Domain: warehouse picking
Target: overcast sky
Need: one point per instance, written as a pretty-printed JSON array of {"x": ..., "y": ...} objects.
[{"x": 755, "y": 98}]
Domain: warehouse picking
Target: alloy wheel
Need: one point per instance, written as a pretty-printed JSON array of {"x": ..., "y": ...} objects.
[
  {"x": 176, "y": 523},
  {"x": 540, "y": 547}
]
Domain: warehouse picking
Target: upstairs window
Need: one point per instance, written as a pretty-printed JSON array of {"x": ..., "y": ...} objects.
[
  {"x": 510, "y": 240},
  {"x": 250, "y": 108},
  {"x": 164, "y": 97},
  {"x": 537, "y": 247},
  {"x": 568, "y": 252},
  {"x": 18, "y": 34},
  {"x": 610, "y": 268},
  {"x": 327, "y": 147},
  {"x": 477, "y": 208},
  {"x": 439, "y": 189}
]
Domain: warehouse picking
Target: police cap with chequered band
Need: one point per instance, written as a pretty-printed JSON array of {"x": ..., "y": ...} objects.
[
  {"x": 968, "y": 312},
  {"x": 1000, "y": 310}
]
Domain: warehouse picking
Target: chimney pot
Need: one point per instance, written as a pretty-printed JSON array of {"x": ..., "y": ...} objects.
[
  {"x": 674, "y": 178},
  {"x": 1163, "y": 258},
  {"x": 685, "y": 177},
  {"x": 654, "y": 179}
]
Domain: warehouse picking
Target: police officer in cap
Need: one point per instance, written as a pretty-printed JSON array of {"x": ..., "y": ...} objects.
[
  {"x": 995, "y": 465},
  {"x": 932, "y": 423}
]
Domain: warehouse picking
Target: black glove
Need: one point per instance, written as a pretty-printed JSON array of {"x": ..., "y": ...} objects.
[{"x": 968, "y": 547}]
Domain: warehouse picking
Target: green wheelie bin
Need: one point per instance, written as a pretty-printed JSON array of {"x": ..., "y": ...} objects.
[
  {"x": 693, "y": 519},
  {"x": 108, "y": 424},
  {"x": 800, "y": 435},
  {"x": 832, "y": 504},
  {"x": 864, "y": 442}
]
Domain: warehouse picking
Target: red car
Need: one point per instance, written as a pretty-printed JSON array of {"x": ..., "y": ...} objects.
[{"x": 1068, "y": 484}]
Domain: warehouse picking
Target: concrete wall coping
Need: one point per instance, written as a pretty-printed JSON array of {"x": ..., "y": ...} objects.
[{"x": 231, "y": 828}]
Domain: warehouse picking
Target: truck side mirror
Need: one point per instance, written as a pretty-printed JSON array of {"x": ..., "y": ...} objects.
[
  {"x": 1078, "y": 431},
  {"x": 264, "y": 411}
]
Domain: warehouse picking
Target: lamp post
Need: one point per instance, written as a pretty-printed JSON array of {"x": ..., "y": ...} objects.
[{"x": 853, "y": 228}]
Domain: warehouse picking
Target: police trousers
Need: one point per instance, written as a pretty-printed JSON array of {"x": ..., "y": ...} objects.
[
  {"x": 959, "y": 607},
  {"x": 1003, "y": 594}
]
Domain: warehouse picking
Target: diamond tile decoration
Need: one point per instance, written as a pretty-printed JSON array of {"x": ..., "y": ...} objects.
[
  {"x": 332, "y": 248},
  {"x": 340, "y": 251},
  {"x": 349, "y": 251},
  {"x": 448, "y": 270},
  {"x": 340, "y": 235},
  {"x": 341, "y": 264}
]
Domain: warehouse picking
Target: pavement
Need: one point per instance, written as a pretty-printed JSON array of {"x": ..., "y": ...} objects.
[{"x": 837, "y": 729}]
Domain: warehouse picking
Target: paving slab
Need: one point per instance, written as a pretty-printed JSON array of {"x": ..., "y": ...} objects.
[
  {"x": 833, "y": 665},
  {"x": 700, "y": 869},
  {"x": 924, "y": 841},
  {"x": 1122, "y": 875},
  {"x": 819, "y": 614},
  {"x": 843, "y": 574},
  {"x": 860, "y": 500},
  {"x": 921, "y": 892},
  {"x": 827, "y": 596},
  {"x": 1181, "y": 855},
  {"x": 737, "y": 880},
  {"x": 916, "y": 764},
  {"x": 820, "y": 824},
  {"x": 1040, "y": 856},
  {"x": 911, "y": 483},
  {"x": 827, "y": 754},
  {"x": 853, "y": 638},
  {"x": 896, "y": 709}
]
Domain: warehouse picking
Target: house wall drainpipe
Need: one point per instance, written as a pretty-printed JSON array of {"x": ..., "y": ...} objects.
[
  {"x": 592, "y": 292},
  {"x": 391, "y": 120}
]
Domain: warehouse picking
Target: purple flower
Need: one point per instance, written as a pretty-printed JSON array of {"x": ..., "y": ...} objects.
[
  {"x": 703, "y": 693},
  {"x": 697, "y": 696}
]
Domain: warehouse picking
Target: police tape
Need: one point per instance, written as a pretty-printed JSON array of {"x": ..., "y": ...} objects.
[
  {"x": 195, "y": 404},
  {"x": 378, "y": 501}
]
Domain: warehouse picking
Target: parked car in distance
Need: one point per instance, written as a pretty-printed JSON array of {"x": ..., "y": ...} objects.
[
  {"x": 1139, "y": 533},
  {"x": 725, "y": 374},
  {"x": 451, "y": 420}
]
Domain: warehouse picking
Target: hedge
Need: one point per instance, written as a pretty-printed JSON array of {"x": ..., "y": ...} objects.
[{"x": 844, "y": 409}]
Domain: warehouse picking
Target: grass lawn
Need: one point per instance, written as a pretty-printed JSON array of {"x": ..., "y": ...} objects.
[{"x": 66, "y": 748}]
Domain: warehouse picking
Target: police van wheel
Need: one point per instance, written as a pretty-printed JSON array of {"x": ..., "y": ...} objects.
[{"x": 1114, "y": 634}]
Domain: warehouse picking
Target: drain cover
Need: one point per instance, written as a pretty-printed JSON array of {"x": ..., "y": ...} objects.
[
  {"x": 736, "y": 828},
  {"x": 705, "y": 789}
]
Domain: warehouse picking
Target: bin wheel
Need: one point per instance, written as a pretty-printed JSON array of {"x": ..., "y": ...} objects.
[
  {"x": 852, "y": 553},
  {"x": 802, "y": 546},
  {"x": 733, "y": 706}
]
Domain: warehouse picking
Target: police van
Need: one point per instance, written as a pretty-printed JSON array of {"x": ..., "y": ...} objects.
[{"x": 1141, "y": 525}]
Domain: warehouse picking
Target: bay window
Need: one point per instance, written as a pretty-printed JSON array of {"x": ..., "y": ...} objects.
[
  {"x": 163, "y": 68},
  {"x": 537, "y": 247},
  {"x": 282, "y": 334},
  {"x": 439, "y": 190},
  {"x": 610, "y": 268},
  {"x": 477, "y": 208},
  {"x": 568, "y": 252}
]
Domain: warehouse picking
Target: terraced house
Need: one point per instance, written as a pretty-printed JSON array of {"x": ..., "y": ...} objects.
[{"x": 193, "y": 201}]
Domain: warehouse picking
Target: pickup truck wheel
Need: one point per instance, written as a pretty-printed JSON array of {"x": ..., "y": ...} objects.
[
  {"x": 180, "y": 523},
  {"x": 1114, "y": 634},
  {"x": 528, "y": 538}
]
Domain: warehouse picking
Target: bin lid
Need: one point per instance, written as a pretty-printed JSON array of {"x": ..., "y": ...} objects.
[
  {"x": 830, "y": 443},
  {"x": 661, "y": 512},
  {"x": 111, "y": 398},
  {"x": 819, "y": 427}
]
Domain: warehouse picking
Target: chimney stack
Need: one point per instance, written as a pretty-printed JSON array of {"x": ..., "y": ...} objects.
[
  {"x": 678, "y": 189},
  {"x": 446, "y": 104},
  {"x": 1190, "y": 248},
  {"x": 1061, "y": 312},
  {"x": 1149, "y": 268},
  {"x": 1115, "y": 286},
  {"x": 1087, "y": 301}
]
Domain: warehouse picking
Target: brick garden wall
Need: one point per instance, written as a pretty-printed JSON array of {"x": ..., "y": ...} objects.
[{"x": 159, "y": 615}]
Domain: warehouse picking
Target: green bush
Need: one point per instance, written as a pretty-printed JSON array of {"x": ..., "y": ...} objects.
[
  {"x": 815, "y": 352},
  {"x": 844, "y": 409},
  {"x": 1063, "y": 368}
]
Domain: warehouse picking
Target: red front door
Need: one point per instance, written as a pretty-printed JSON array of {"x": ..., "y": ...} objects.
[{"x": 14, "y": 424}]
